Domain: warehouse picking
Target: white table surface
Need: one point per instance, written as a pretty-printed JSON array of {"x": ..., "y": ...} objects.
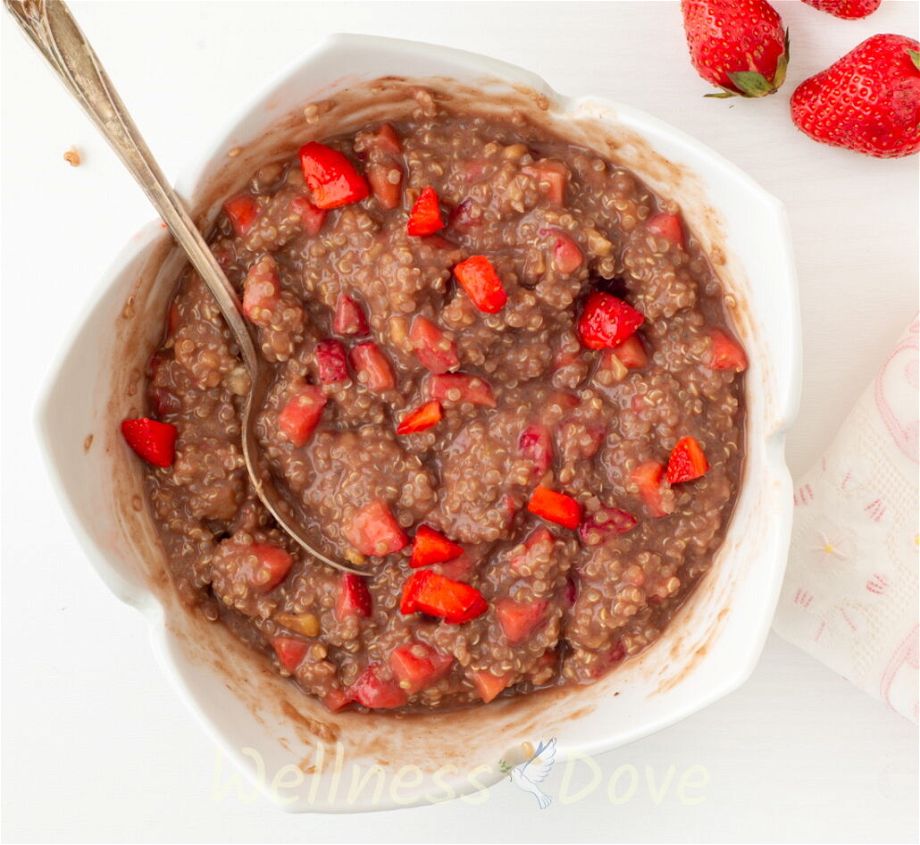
[{"x": 96, "y": 747}]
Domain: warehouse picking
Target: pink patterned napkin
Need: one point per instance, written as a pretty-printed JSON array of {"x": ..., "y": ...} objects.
[{"x": 850, "y": 595}]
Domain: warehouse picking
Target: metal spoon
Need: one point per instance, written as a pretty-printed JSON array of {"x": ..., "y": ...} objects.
[{"x": 52, "y": 29}]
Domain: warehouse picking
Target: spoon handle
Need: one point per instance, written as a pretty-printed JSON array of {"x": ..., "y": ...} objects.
[{"x": 50, "y": 26}]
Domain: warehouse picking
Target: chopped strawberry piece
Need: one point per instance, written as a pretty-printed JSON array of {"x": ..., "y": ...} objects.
[
  {"x": 434, "y": 350},
  {"x": 372, "y": 367},
  {"x": 460, "y": 387},
  {"x": 261, "y": 291},
  {"x": 374, "y": 691},
  {"x": 603, "y": 523},
  {"x": 552, "y": 178},
  {"x": 465, "y": 216},
  {"x": 432, "y": 547},
  {"x": 242, "y": 212},
  {"x": 566, "y": 255},
  {"x": 536, "y": 444},
  {"x": 264, "y": 566},
  {"x": 519, "y": 619},
  {"x": 375, "y": 531},
  {"x": 332, "y": 179},
  {"x": 555, "y": 507},
  {"x": 425, "y": 217},
  {"x": 386, "y": 141},
  {"x": 331, "y": 363},
  {"x": 607, "y": 321},
  {"x": 461, "y": 568},
  {"x": 727, "y": 353},
  {"x": 336, "y": 699},
  {"x": 648, "y": 478},
  {"x": 386, "y": 183},
  {"x": 311, "y": 216},
  {"x": 687, "y": 461},
  {"x": 632, "y": 353},
  {"x": 300, "y": 416},
  {"x": 452, "y": 601},
  {"x": 421, "y": 419},
  {"x": 290, "y": 651},
  {"x": 153, "y": 440},
  {"x": 666, "y": 226},
  {"x": 353, "y": 598},
  {"x": 482, "y": 283},
  {"x": 418, "y": 666},
  {"x": 488, "y": 685},
  {"x": 348, "y": 318}
]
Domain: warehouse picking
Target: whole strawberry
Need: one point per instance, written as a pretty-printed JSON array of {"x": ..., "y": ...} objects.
[
  {"x": 846, "y": 8},
  {"x": 867, "y": 101},
  {"x": 738, "y": 45}
]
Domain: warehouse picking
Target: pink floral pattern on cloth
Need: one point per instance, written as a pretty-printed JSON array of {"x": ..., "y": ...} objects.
[{"x": 850, "y": 597}]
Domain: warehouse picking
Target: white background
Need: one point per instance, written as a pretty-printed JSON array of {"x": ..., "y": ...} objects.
[{"x": 96, "y": 747}]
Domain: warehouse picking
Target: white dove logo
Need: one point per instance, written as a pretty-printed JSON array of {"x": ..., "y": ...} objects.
[{"x": 528, "y": 774}]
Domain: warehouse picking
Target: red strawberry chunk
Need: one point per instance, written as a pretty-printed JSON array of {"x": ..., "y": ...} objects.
[
  {"x": 607, "y": 321},
  {"x": 417, "y": 666},
  {"x": 648, "y": 477},
  {"x": 460, "y": 387},
  {"x": 434, "y": 350},
  {"x": 431, "y": 546},
  {"x": 353, "y": 598},
  {"x": 242, "y": 211},
  {"x": 386, "y": 141},
  {"x": 290, "y": 651},
  {"x": 374, "y": 690},
  {"x": 386, "y": 183},
  {"x": 465, "y": 216},
  {"x": 421, "y": 419},
  {"x": 372, "y": 367},
  {"x": 726, "y": 353},
  {"x": 264, "y": 566},
  {"x": 555, "y": 507},
  {"x": 667, "y": 226},
  {"x": 452, "y": 601},
  {"x": 375, "y": 531},
  {"x": 336, "y": 699},
  {"x": 489, "y": 686},
  {"x": 261, "y": 291},
  {"x": 348, "y": 318},
  {"x": 300, "y": 416},
  {"x": 567, "y": 255},
  {"x": 552, "y": 178},
  {"x": 536, "y": 444},
  {"x": 461, "y": 568},
  {"x": 153, "y": 440},
  {"x": 332, "y": 179},
  {"x": 311, "y": 216},
  {"x": 425, "y": 217},
  {"x": 331, "y": 363},
  {"x": 687, "y": 461},
  {"x": 604, "y": 523},
  {"x": 632, "y": 353},
  {"x": 519, "y": 619},
  {"x": 482, "y": 284}
]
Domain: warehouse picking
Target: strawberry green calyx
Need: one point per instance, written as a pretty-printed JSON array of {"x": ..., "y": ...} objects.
[
  {"x": 752, "y": 83},
  {"x": 915, "y": 58}
]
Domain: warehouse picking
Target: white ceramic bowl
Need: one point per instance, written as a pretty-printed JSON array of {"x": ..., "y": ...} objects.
[{"x": 304, "y": 757}]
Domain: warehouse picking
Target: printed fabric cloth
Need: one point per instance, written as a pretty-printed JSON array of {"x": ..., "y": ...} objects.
[{"x": 850, "y": 596}]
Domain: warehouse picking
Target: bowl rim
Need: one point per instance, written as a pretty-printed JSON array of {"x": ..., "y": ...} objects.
[{"x": 143, "y": 239}]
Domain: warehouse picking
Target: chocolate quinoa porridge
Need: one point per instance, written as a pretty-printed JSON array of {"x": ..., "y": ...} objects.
[{"x": 505, "y": 388}]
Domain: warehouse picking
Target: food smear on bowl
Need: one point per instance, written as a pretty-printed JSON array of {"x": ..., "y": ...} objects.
[{"x": 505, "y": 387}]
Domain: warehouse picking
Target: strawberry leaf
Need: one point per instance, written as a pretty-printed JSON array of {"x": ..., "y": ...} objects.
[
  {"x": 751, "y": 83},
  {"x": 721, "y": 95},
  {"x": 779, "y": 77},
  {"x": 915, "y": 58}
]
